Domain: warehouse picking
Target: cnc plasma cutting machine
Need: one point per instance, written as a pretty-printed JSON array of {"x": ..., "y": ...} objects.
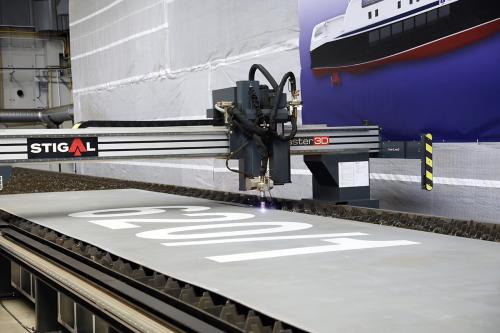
[{"x": 253, "y": 123}]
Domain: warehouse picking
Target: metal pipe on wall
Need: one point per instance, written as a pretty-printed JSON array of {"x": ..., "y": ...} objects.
[
  {"x": 49, "y": 94},
  {"x": 58, "y": 88},
  {"x": 33, "y": 68},
  {"x": 20, "y": 116},
  {"x": 52, "y": 117},
  {"x": 1, "y": 83}
]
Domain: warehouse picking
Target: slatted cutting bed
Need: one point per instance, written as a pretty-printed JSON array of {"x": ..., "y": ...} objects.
[{"x": 192, "y": 264}]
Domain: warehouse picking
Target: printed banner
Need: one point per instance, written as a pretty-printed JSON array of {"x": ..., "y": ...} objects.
[{"x": 409, "y": 66}]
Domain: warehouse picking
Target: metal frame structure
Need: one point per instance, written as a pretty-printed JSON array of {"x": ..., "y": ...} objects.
[
  {"x": 323, "y": 149},
  {"x": 46, "y": 145}
]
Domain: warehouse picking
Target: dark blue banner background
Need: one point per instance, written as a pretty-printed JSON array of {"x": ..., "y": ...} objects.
[{"x": 456, "y": 96}]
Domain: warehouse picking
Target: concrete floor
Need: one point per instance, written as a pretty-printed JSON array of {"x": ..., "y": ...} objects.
[
  {"x": 23, "y": 310},
  {"x": 319, "y": 274}
]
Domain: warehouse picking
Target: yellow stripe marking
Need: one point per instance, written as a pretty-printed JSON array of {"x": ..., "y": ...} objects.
[
  {"x": 428, "y": 161},
  {"x": 428, "y": 175},
  {"x": 428, "y": 136},
  {"x": 428, "y": 187},
  {"x": 428, "y": 147},
  {"x": 77, "y": 125}
]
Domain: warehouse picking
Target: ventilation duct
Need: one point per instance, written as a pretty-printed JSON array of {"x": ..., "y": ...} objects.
[{"x": 51, "y": 117}]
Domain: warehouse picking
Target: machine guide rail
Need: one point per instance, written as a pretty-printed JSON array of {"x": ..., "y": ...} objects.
[
  {"x": 70, "y": 145},
  {"x": 181, "y": 306}
]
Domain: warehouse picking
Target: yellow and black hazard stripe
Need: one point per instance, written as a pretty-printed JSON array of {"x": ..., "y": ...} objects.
[{"x": 427, "y": 171}]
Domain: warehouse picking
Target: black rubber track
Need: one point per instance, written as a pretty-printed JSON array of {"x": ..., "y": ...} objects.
[{"x": 28, "y": 181}]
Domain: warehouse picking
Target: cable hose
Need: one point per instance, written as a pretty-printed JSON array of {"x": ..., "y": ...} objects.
[
  {"x": 261, "y": 136},
  {"x": 293, "y": 84},
  {"x": 247, "y": 124},
  {"x": 259, "y": 116},
  {"x": 265, "y": 72},
  {"x": 293, "y": 132},
  {"x": 233, "y": 154}
]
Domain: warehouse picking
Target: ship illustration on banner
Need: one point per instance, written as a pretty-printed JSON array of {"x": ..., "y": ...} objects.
[{"x": 373, "y": 33}]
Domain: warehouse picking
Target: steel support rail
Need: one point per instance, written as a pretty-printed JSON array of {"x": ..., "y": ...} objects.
[
  {"x": 122, "y": 311},
  {"x": 130, "y": 308},
  {"x": 70, "y": 145}
]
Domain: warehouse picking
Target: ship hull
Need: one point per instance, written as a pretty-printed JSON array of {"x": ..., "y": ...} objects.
[{"x": 467, "y": 22}]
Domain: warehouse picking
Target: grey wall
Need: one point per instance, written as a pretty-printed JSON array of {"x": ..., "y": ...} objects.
[
  {"x": 467, "y": 182},
  {"x": 160, "y": 59},
  {"x": 23, "y": 48},
  {"x": 42, "y": 15},
  {"x": 32, "y": 52}
]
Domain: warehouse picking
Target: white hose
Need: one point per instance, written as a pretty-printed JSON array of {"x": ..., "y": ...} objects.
[{"x": 218, "y": 108}]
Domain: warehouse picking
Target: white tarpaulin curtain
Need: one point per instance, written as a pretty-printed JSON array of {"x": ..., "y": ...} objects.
[{"x": 160, "y": 59}]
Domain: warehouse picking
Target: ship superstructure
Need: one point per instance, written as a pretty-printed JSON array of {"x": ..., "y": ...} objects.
[{"x": 375, "y": 32}]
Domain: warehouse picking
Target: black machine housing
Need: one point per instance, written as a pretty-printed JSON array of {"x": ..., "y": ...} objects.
[{"x": 257, "y": 121}]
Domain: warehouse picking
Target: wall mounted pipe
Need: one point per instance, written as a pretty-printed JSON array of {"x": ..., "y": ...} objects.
[{"x": 52, "y": 117}]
